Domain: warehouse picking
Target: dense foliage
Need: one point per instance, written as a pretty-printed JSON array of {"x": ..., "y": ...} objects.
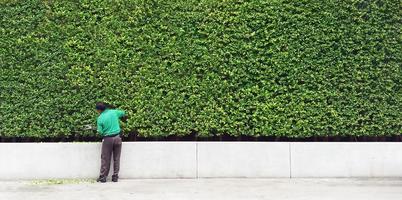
[{"x": 294, "y": 68}]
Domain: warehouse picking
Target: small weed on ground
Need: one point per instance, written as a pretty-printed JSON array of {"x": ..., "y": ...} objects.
[{"x": 61, "y": 181}]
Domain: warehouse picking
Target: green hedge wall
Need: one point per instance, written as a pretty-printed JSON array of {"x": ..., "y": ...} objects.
[{"x": 293, "y": 68}]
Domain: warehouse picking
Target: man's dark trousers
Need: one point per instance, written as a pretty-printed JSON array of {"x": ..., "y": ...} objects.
[{"x": 110, "y": 145}]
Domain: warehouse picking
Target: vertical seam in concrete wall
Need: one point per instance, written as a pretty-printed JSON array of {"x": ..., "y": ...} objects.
[
  {"x": 290, "y": 160},
  {"x": 196, "y": 159}
]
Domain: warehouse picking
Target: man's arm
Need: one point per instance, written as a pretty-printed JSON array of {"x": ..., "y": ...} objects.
[
  {"x": 100, "y": 127},
  {"x": 122, "y": 115}
]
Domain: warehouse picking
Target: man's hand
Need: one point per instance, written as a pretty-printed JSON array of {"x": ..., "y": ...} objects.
[{"x": 124, "y": 118}]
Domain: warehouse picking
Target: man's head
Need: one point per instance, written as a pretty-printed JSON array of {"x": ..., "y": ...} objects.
[{"x": 100, "y": 107}]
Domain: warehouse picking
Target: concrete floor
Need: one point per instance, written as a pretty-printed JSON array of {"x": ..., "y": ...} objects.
[{"x": 209, "y": 189}]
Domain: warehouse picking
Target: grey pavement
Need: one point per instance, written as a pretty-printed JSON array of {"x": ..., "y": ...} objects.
[{"x": 208, "y": 189}]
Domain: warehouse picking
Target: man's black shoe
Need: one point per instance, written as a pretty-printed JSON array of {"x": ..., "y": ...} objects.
[
  {"x": 115, "y": 178},
  {"x": 101, "y": 179}
]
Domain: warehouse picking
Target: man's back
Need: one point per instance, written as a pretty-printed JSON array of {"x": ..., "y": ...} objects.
[{"x": 108, "y": 122}]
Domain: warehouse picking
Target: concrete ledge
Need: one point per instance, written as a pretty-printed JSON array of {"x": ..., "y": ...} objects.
[
  {"x": 243, "y": 159},
  {"x": 159, "y": 160},
  {"x": 49, "y": 160},
  {"x": 82, "y": 160},
  {"x": 203, "y": 160},
  {"x": 346, "y": 159}
]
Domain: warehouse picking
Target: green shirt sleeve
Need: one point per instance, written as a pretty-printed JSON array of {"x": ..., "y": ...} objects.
[
  {"x": 120, "y": 113},
  {"x": 100, "y": 127}
]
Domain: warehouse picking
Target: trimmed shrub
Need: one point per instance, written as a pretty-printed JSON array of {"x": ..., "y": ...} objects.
[{"x": 240, "y": 67}]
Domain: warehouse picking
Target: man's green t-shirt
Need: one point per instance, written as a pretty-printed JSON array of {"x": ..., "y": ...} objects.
[{"x": 108, "y": 122}]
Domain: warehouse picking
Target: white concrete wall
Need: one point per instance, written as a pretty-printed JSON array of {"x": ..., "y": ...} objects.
[
  {"x": 82, "y": 160},
  {"x": 204, "y": 160},
  {"x": 49, "y": 160},
  {"x": 346, "y": 159},
  {"x": 244, "y": 159},
  {"x": 158, "y": 160}
]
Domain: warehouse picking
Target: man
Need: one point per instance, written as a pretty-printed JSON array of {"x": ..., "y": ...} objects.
[{"x": 109, "y": 128}]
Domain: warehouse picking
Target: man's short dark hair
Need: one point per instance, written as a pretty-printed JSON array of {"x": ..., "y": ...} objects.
[{"x": 101, "y": 106}]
